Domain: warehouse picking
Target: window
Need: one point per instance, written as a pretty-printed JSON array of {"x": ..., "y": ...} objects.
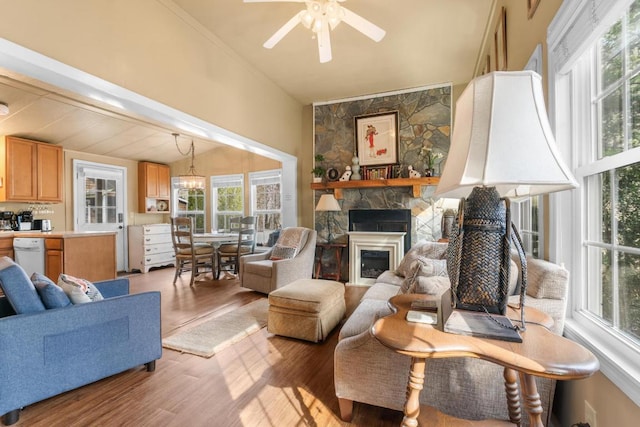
[
  {"x": 266, "y": 202},
  {"x": 227, "y": 195},
  {"x": 189, "y": 203},
  {"x": 597, "y": 101},
  {"x": 526, "y": 216}
]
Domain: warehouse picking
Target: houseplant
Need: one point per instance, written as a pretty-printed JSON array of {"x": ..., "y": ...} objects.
[{"x": 318, "y": 171}]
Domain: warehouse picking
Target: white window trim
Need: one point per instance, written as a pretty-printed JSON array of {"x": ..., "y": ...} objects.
[
  {"x": 266, "y": 174},
  {"x": 574, "y": 29},
  {"x": 214, "y": 200}
]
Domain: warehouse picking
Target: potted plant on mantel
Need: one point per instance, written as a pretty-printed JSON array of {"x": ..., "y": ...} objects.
[{"x": 318, "y": 171}]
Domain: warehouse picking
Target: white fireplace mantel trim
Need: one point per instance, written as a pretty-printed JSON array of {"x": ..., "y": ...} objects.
[{"x": 373, "y": 241}]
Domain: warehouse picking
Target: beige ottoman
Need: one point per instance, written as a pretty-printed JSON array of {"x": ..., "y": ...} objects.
[{"x": 307, "y": 309}]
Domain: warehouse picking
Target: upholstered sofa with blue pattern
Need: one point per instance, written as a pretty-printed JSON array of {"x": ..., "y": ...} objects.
[{"x": 48, "y": 351}]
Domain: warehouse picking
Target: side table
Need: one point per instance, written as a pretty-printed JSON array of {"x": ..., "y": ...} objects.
[
  {"x": 541, "y": 353},
  {"x": 337, "y": 248}
]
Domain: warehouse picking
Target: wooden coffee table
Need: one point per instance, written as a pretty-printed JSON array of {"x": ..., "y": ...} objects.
[{"x": 542, "y": 353}]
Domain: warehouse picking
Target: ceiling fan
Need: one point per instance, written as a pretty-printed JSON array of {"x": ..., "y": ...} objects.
[{"x": 321, "y": 16}]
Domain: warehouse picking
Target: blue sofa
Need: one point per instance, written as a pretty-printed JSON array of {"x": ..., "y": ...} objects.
[{"x": 50, "y": 351}]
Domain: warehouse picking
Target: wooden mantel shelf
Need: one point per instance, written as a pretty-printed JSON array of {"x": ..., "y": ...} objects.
[{"x": 414, "y": 183}]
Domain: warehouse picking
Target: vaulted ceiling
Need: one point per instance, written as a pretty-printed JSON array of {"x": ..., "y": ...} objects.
[{"x": 427, "y": 42}]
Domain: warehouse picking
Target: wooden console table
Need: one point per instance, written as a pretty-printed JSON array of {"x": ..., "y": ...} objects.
[{"x": 542, "y": 353}]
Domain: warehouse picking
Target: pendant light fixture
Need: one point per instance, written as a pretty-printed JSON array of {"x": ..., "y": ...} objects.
[{"x": 191, "y": 180}]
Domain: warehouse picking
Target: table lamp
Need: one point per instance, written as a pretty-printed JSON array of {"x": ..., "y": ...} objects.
[
  {"x": 329, "y": 204},
  {"x": 502, "y": 147}
]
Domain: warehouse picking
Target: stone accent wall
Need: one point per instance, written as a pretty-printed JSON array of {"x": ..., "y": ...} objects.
[{"x": 424, "y": 121}]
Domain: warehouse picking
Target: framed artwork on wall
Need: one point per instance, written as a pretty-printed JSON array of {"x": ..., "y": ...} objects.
[
  {"x": 377, "y": 138},
  {"x": 500, "y": 41}
]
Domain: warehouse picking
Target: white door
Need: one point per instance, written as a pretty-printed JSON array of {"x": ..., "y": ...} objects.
[{"x": 99, "y": 194}]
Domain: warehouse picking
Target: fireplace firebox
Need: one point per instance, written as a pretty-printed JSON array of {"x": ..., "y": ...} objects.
[{"x": 373, "y": 263}]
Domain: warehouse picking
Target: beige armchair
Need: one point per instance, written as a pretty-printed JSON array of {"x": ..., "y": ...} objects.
[{"x": 262, "y": 273}]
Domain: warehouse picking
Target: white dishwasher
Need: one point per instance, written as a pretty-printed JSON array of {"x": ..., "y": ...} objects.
[{"x": 29, "y": 254}]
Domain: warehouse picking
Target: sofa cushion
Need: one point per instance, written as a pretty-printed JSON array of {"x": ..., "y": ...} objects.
[
  {"x": 262, "y": 268},
  {"x": 79, "y": 290},
  {"x": 17, "y": 287},
  {"x": 432, "y": 250},
  {"x": 390, "y": 278},
  {"x": 381, "y": 291},
  {"x": 51, "y": 294},
  {"x": 363, "y": 317},
  {"x": 421, "y": 269},
  {"x": 546, "y": 280}
]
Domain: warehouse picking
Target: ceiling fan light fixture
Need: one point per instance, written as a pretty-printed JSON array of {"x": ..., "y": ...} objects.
[{"x": 322, "y": 16}]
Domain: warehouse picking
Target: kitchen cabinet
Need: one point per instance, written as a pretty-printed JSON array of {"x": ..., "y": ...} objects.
[
  {"x": 53, "y": 258},
  {"x": 150, "y": 246},
  {"x": 31, "y": 171},
  {"x": 154, "y": 187},
  {"x": 88, "y": 256},
  {"x": 6, "y": 245}
]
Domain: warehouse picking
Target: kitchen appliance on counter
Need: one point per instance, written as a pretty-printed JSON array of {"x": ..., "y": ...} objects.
[
  {"x": 41, "y": 224},
  {"x": 6, "y": 220},
  {"x": 25, "y": 218}
]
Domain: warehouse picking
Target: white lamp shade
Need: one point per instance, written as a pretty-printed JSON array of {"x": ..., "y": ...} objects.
[
  {"x": 328, "y": 203},
  {"x": 502, "y": 138}
]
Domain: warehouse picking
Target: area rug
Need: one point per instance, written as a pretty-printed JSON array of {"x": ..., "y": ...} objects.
[{"x": 211, "y": 336}]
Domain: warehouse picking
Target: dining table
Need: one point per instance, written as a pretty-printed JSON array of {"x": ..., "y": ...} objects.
[{"x": 216, "y": 239}]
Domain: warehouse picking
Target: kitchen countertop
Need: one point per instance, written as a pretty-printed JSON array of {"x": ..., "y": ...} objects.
[{"x": 54, "y": 234}]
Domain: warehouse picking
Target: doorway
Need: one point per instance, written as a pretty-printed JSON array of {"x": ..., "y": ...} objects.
[{"x": 99, "y": 199}]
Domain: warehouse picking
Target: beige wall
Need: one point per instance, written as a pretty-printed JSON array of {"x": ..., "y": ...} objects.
[{"x": 145, "y": 47}]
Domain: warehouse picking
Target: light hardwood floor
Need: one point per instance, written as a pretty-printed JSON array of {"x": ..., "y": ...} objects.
[{"x": 263, "y": 380}]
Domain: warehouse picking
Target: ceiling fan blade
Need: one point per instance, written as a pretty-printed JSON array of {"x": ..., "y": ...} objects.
[
  {"x": 367, "y": 28},
  {"x": 324, "y": 42},
  {"x": 283, "y": 31}
]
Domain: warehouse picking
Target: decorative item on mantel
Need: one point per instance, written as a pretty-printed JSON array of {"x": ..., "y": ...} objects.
[
  {"x": 318, "y": 170},
  {"x": 413, "y": 173},
  {"x": 355, "y": 168},
  {"x": 347, "y": 174},
  {"x": 431, "y": 158}
]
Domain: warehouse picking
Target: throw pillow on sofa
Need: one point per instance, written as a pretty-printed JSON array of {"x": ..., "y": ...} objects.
[
  {"x": 79, "y": 290},
  {"x": 429, "y": 250},
  {"x": 18, "y": 289},
  {"x": 51, "y": 294},
  {"x": 426, "y": 276},
  {"x": 288, "y": 244}
]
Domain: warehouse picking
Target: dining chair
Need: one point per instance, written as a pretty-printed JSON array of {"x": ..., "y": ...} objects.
[
  {"x": 197, "y": 258},
  {"x": 230, "y": 253}
]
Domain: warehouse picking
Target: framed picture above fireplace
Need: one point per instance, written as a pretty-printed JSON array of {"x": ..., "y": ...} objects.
[{"x": 377, "y": 138}]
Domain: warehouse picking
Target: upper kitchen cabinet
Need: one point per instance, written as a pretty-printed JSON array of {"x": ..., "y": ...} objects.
[
  {"x": 154, "y": 187},
  {"x": 31, "y": 171}
]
